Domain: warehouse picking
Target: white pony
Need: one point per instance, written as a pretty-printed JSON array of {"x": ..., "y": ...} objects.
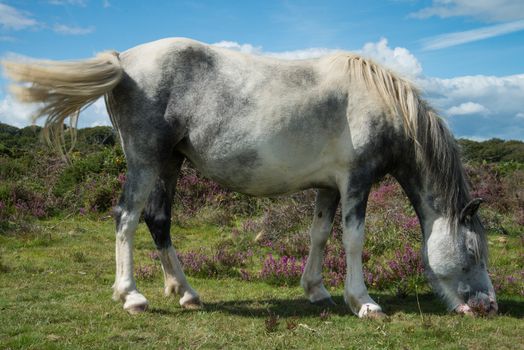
[{"x": 264, "y": 126}]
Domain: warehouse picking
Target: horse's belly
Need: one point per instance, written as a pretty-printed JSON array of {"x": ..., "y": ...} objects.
[{"x": 274, "y": 166}]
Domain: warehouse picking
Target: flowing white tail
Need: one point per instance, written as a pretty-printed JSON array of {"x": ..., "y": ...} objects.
[{"x": 63, "y": 88}]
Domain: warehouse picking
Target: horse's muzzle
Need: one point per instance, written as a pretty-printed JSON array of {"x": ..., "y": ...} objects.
[{"x": 480, "y": 304}]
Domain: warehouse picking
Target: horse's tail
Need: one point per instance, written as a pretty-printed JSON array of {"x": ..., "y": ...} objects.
[
  {"x": 63, "y": 88},
  {"x": 436, "y": 150}
]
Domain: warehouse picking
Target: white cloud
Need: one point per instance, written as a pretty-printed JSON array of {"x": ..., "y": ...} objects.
[
  {"x": 286, "y": 55},
  {"x": 304, "y": 54},
  {"x": 493, "y": 102},
  {"x": 486, "y": 10},
  {"x": 94, "y": 115},
  {"x": 99, "y": 107},
  {"x": 498, "y": 94},
  {"x": 458, "y": 38},
  {"x": 11, "y": 18},
  {"x": 72, "y": 30},
  {"x": 492, "y": 105},
  {"x": 15, "y": 113},
  {"x": 468, "y": 108},
  {"x": 233, "y": 45},
  {"x": 475, "y": 138},
  {"x": 398, "y": 59},
  {"x": 19, "y": 114}
]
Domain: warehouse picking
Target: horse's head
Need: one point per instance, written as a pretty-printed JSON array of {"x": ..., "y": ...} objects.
[{"x": 457, "y": 263}]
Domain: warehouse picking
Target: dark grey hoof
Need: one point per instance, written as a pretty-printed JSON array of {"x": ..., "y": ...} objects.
[{"x": 324, "y": 302}]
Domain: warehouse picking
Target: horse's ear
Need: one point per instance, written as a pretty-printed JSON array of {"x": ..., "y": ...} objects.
[{"x": 470, "y": 209}]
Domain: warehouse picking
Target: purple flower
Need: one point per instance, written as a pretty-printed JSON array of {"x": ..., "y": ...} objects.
[{"x": 282, "y": 271}]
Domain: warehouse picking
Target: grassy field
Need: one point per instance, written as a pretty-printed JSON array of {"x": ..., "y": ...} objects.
[
  {"x": 57, "y": 259},
  {"x": 55, "y": 293}
]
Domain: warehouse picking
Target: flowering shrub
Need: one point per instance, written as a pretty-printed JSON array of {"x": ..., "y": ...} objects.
[
  {"x": 100, "y": 193},
  {"x": 194, "y": 192},
  {"x": 221, "y": 263},
  {"x": 404, "y": 272},
  {"x": 282, "y": 271},
  {"x": 295, "y": 244},
  {"x": 335, "y": 265},
  {"x": 383, "y": 193},
  {"x": 512, "y": 283},
  {"x": 146, "y": 272},
  {"x": 19, "y": 204}
]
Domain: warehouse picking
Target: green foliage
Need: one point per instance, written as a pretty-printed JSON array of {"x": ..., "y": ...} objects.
[
  {"x": 37, "y": 304},
  {"x": 494, "y": 150},
  {"x": 14, "y": 141},
  {"x": 100, "y": 192},
  {"x": 12, "y": 168},
  {"x": 106, "y": 161},
  {"x": 35, "y": 183},
  {"x": 96, "y": 137}
]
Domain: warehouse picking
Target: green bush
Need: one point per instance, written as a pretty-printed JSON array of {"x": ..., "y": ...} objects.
[
  {"x": 12, "y": 168},
  {"x": 494, "y": 150},
  {"x": 107, "y": 161},
  {"x": 100, "y": 192}
]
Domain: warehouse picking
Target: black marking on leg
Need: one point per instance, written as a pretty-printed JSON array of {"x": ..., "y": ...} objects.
[
  {"x": 117, "y": 213},
  {"x": 319, "y": 214},
  {"x": 157, "y": 215},
  {"x": 358, "y": 197},
  {"x": 357, "y": 213}
]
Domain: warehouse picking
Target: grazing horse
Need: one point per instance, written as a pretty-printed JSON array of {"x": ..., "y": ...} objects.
[{"x": 264, "y": 126}]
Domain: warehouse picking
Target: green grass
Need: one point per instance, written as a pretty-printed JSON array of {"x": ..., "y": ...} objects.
[{"x": 55, "y": 293}]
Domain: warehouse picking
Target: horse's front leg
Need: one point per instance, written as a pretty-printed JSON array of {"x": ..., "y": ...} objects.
[
  {"x": 354, "y": 201},
  {"x": 157, "y": 215},
  {"x": 139, "y": 182},
  {"x": 325, "y": 207}
]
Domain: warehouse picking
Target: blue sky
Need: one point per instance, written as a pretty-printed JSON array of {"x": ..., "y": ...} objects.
[{"x": 466, "y": 55}]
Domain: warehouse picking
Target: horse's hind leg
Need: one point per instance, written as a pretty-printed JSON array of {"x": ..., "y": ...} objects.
[
  {"x": 325, "y": 207},
  {"x": 157, "y": 215},
  {"x": 139, "y": 182},
  {"x": 354, "y": 195}
]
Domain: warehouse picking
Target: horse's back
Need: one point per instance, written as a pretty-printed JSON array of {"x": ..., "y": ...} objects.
[{"x": 255, "y": 124}]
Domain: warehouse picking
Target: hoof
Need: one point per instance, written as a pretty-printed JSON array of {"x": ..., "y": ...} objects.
[
  {"x": 191, "y": 302},
  {"x": 136, "y": 309},
  {"x": 194, "y": 304},
  {"x": 324, "y": 302},
  {"x": 371, "y": 311},
  {"x": 135, "y": 303}
]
